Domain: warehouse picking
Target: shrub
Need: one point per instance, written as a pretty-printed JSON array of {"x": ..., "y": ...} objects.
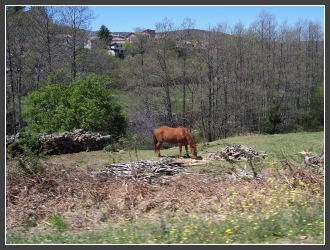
[
  {"x": 87, "y": 103},
  {"x": 27, "y": 143}
]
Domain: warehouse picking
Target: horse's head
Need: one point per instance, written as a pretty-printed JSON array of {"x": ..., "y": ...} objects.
[{"x": 193, "y": 149}]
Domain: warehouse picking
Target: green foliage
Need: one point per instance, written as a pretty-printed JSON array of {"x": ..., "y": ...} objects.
[
  {"x": 104, "y": 34},
  {"x": 317, "y": 106},
  {"x": 312, "y": 118},
  {"x": 57, "y": 222},
  {"x": 126, "y": 45},
  {"x": 46, "y": 109},
  {"x": 87, "y": 103},
  {"x": 112, "y": 147},
  {"x": 14, "y": 148},
  {"x": 272, "y": 125},
  {"x": 27, "y": 143}
]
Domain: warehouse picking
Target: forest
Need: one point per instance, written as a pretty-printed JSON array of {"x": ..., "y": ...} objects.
[{"x": 267, "y": 78}]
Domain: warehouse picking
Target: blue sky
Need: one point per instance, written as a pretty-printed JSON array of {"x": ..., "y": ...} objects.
[{"x": 126, "y": 18}]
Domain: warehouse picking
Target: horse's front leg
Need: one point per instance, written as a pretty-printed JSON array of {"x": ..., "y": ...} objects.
[
  {"x": 180, "y": 149},
  {"x": 186, "y": 147}
]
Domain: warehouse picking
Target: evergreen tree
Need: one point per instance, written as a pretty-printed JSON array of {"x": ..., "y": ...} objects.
[{"x": 104, "y": 35}]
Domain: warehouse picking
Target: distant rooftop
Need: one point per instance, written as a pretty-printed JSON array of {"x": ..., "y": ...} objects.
[{"x": 121, "y": 33}]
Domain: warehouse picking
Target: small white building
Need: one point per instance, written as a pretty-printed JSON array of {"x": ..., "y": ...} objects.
[{"x": 117, "y": 49}]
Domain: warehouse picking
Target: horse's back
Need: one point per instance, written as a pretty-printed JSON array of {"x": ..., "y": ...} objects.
[
  {"x": 159, "y": 132},
  {"x": 164, "y": 129},
  {"x": 170, "y": 135}
]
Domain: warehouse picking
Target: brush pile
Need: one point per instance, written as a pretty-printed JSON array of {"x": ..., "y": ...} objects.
[
  {"x": 315, "y": 161},
  {"x": 148, "y": 170},
  {"x": 236, "y": 153}
]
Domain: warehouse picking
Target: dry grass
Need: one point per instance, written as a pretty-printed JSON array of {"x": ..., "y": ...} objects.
[{"x": 90, "y": 203}]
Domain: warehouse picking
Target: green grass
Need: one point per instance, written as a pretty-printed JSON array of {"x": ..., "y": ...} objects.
[
  {"x": 56, "y": 221},
  {"x": 274, "y": 145},
  {"x": 268, "y": 228}
]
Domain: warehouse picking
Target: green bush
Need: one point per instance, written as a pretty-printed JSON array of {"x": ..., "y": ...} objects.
[
  {"x": 87, "y": 103},
  {"x": 27, "y": 143}
]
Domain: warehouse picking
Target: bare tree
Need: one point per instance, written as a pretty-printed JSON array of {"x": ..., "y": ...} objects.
[
  {"x": 240, "y": 76},
  {"x": 16, "y": 42},
  {"x": 185, "y": 48},
  {"x": 137, "y": 75},
  {"x": 263, "y": 31},
  {"x": 43, "y": 31},
  {"x": 164, "y": 55},
  {"x": 75, "y": 21},
  {"x": 137, "y": 70},
  {"x": 209, "y": 55},
  {"x": 260, "y": 79}
]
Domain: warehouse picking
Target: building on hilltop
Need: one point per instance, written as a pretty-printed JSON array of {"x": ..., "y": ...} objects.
[
  {"x": 116, "y": 47},
  {"x": 147, "y": 33}
]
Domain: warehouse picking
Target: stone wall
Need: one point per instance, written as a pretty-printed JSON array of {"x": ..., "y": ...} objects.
[{"x": 71, "y": 142}]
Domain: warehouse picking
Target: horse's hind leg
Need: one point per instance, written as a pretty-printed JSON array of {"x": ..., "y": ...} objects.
[{"x": 158, "y": 145}]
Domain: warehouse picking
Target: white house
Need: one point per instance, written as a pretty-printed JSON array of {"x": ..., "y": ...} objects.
[{"x": 117, "y": 49}]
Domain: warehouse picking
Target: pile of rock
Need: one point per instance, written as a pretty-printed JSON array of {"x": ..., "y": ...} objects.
[
  {"x": 69, "y": 142},
  {"x": 73, "y": 142}
]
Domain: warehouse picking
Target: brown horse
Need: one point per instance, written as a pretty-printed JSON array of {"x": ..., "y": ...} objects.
[{"x": 179, "y": 135}]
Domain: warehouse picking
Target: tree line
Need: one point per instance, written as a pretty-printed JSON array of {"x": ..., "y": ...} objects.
[{"x": 267, "y": 78}]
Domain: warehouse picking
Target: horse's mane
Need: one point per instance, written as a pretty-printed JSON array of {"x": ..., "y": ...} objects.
[{"x": 188, "y": 136}]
